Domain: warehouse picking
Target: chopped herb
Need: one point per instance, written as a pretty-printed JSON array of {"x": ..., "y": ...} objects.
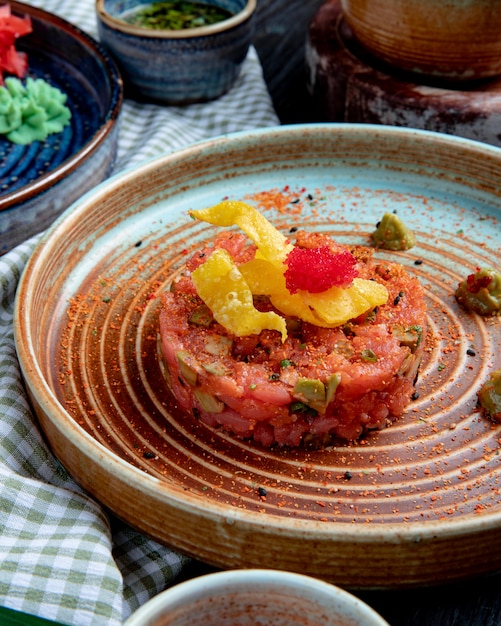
[
  {"x": 106, "y": 299},
  {"x": 176, "y": 15},
  {"x": 368, "y": 355},
  {"x": 252, "y": 386},
  {"x": 286, "y": 363},
  {"x": 274, "y": 376},
  {"x": 441, "y": 367}
]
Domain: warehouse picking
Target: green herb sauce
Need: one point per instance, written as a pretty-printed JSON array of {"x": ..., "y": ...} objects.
[{"x": 176, "y": 15}]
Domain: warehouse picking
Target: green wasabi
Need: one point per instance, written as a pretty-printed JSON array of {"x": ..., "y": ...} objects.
[
  {"x": 32, "y": 111},
  {"x": 481, "y": 292},
  {"x": 392, "y": 234}
]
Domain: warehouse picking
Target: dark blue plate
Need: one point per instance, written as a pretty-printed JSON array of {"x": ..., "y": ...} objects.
[{"x": 39, "y": 181}]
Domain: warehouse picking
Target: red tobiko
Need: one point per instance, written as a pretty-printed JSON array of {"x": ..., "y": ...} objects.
[
  {"x": 12, "y": 27},
  {"x": 318, "y": 269}
]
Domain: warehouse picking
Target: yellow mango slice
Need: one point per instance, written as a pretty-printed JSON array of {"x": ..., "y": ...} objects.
[
  {"x": 337, "y": 306},
  {"x": 329, "y": 308},
  {"x": 224, "y": 290},
  {"x": 272, "y": 245},
  {"x": 263, "y": 280}
]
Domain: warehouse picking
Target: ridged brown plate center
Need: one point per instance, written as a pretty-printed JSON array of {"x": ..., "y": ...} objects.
[{"x": 441, "y": 459}]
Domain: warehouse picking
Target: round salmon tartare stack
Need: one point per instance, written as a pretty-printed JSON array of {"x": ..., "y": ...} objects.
[{"x": 290, "y": 344}]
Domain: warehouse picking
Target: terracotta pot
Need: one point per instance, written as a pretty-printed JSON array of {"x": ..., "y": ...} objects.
[{"x": 452, "y": 39}]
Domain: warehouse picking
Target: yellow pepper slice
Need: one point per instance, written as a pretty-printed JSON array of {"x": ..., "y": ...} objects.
[
  {"x": 224, "y": 290},
  {"x": 272, "y": 245}
]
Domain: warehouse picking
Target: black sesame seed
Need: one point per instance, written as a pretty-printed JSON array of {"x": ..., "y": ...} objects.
[
  {"x": 415, "y": 395},
  {"x": 293, "y": 229},
  {"x": 262, "y": 492},
  {"x": 400, "y": 295},
  {"x": 138, "y": 243},
  {"x": 418, "y": 262},
  {"x": 348, "y": 475},
  {"x": 149, "y": 455},
  {"x": 470, "y": 352}
]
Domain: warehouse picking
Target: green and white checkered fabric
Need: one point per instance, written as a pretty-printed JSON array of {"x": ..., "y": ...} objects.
[{"x": 61, "y": 556}]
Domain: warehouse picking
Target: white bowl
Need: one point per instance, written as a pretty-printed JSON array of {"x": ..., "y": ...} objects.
[{"x": 255, "y": 596}]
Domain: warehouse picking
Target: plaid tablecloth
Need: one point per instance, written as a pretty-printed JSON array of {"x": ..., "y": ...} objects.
[{"x": 61, "y": 556}]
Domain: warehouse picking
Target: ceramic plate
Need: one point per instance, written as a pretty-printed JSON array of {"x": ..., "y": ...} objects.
[
  {"x": 416, "y": 503},
  {"x": 40, "y": 180}
]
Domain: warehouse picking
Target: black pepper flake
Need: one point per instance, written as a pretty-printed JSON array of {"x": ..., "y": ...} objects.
[
  {"x": 138, "y": 243},
  {"x": 470, "y": 352},
  {"x": 149, "y": 455},
  {"x": 348, "y": 475},
  {"x": 262, "y": 492}
]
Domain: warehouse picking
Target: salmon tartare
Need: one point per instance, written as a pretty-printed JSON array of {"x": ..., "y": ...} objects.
[{"x": 290, "y": 344}]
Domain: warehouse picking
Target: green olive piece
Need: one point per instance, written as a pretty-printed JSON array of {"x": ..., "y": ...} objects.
[
  {"x": 208, "y": 402},
  {"x": 187, "y": 367},
  {"x": 314, "y": 393},
  {"x": 311, "y": 391}
]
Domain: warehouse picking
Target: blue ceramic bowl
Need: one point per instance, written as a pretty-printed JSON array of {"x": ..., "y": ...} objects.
[
  {"x": 40, "y": 180},
  {"x": 177, "y": 66}
]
